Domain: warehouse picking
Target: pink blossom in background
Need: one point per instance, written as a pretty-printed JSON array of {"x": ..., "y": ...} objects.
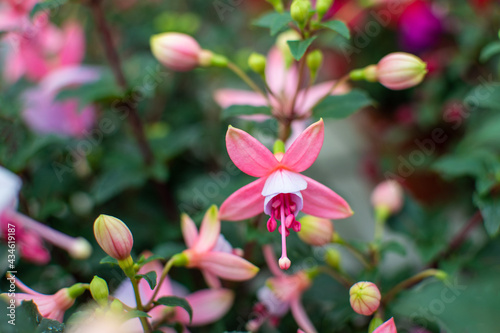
[
  {"x": 208, "y": 305},
  {"x": 14, "y": 14},
  {"x": 46, "y": 115},
  {"x": 280, "y": 191},
  {"x": 281, "y": 294},
  {"x": 387, "y": 327}
]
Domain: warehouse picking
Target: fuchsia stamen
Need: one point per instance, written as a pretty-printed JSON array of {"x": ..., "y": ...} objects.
[{"x": 283, "y": 209}]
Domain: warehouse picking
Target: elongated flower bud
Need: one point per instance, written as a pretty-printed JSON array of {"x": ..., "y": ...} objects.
[
  {"x": 113, "y": 236},
  {"x": 299, "y": 10},
  {"x": 388, "y": 196},
  {"x": 322, "y": 6},
  {"x": 99, "y": 290},
  {"x": 364, "y": 298},
  {"x": 257, "y": 62},
  {"x": 176, "y": 51},
  {"x": 333, "y": 258},
  {"x": 315, "y": 231}
]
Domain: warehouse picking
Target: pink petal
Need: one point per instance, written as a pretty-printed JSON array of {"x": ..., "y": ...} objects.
[
  {"x": 73, "y": 49},
  {"x": 320, "y": 201},
  {"x": 305, "y": 149},
  {"x": 248, "y": 154},
  {"x": 189, "y": 230},
  {"x": 271, "y": 260},
  {"x": 275, "y": 71},
  {"x": 211, "y": 280},
  {"x": 227, "y": 266},
  {"x": 387, "y": 327},
  {"x": 300, "y": 316},
  {"x": 244, "y": 203},
  {"x": 307, "y": 98},
  {"x": 227, "y": 97},
  {"x": 209, "y": 231},
  {"x": 208, "y": 305}
]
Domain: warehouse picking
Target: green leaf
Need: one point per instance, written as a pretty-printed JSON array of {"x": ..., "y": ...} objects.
[
  {"x": 46, "y": 5},
  {"x": 342, "y": 106},
  {"x": 339, "y": 27},
  {"x": 137, "y": 314},
  {"x": 244, "y": 110},
  {"x": 299, "y": 47},
  {"x": 490, "y": 210},
  {"x": 489, "y": 51},
  {"x": 50, "y": 326},
  {"x": 142, "y": 260},
  {"x": 274, "y": 21},
  {"x": 176, "y": 301},
  {"x": 395, "y": 247},
  {"x": 109, "y": 260},
  {"x": 150, "y": 277}
]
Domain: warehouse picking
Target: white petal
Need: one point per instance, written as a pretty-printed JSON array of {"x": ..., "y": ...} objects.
[
  {"x": 222, "y": 245},
  {"x": 275, "y": 306},
  {"x": 10, "y": 184},
  {"x": 283, "y": 181}
]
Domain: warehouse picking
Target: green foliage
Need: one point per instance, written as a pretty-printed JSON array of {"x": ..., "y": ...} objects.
[
  {"x": 176, "y": 301},
  {"x": 245, "y": 110},
  {"x": 339, "y": 27},
  {"x": 299, "y": 47},
  {"x": 275, "y": 22},
  {"x": 342, "y": 106},
  {"x": 150, "y": 278}
]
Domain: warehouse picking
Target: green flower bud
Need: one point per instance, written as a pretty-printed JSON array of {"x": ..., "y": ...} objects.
[
  {"x": 333, "y": 258},
  {"x": 257, "y": 62},
  {"x": 322, "y": 6},
  {"x": 299, "y": 10},
  {"x": 314, "y": 60},
  {"x": 277, "y": 4},
  {"x": 99, "y": 290}
]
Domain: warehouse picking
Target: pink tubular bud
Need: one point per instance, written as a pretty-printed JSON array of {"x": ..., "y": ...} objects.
[
  {"x": 113, "y": 236},
  {"x": 315, "y": 231},
  {"x": 364, "y": 298},
  {"x": 400, "y": 70},
  {"x": 388, "y": 195},
  {"x": 176, "y": 51}
]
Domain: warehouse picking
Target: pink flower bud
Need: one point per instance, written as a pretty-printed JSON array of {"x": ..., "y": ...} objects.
[
  {"x": 176, "y": 51},
  {"x": 113, "y": 236},
  {"x": 400, "y": 70},
  {"x": 315, "y": 231},
  {"x": 388, "y": 195},
  {"x": 364, "y": 298}
]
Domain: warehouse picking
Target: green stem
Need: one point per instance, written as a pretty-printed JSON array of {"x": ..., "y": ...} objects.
[
  {"x": 164, "y": 274},
  {"x": 341, "y": 278},
  {"x": 236, "y": 70},
  {"x": 408, "y": 283},
  {"x": 355, "y": 252},
  {"x": 144, "y": 321}
]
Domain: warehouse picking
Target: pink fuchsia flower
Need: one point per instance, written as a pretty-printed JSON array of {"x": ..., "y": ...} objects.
[
  {"x": 281, "y": 294},
  {"x": 387, "y": 327},
  {"x": 211, "y": 253},
  {"x": 39, "y": 50},
  {"x": 281, "y": 191},
  {"x": 28, "y": 233},
  {"x": 282, "y": 81},
  {"x": 50, "y": 306},
  {"x": 14, "y": 14},
  {"x": 46, "y": 115},
  {"x": 179, "y": 52},
  {"x": 388, "y": 196},
  {"x": 208, "y": 305},
  {"x": 364, "y": 298}
]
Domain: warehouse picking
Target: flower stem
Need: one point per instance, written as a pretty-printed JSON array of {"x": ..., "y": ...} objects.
[
  {"x": 341, "y": 278},
  {"x": 236, "y": 70},
  {"x": 409, "y": 283},
  {"x": 146, "y": 326},
  {"x": 164, "y": 274},
  {"x": 355, "y": 252}
]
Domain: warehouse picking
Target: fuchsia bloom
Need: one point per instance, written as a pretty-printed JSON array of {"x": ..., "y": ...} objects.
[
  {"x": 282, "y": 81},
  {"x": 29, "y": 233},
  {"x": 46, "y": 115},
  {"x": 281, "y": 191},
  {"x": 387, "y": 327},
  {"x": 208, "y": 305},
  {"x": 14, "y": 14},
  {"x": 388, "y": 195},
  {"x": 211, "y": 253},
  {"x": 282, "y": 293}
]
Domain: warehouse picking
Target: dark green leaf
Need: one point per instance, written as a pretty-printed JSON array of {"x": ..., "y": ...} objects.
[
  {"x": 490, "y": 210},
  {"x": 299, "y": 47},
  {"x": 244, "y": 110},
  {"x": 50, "y": 326},
  {"x": 46, "y": 5},
  {"x": 395, "y": 247},
  {"x": 176, "y": 301},
  {"x": 489, "y": 51},
  {"x": 342, "y": 106},
  {"x": 150, "y": 277},
  {"x": 339, "y": 27},
  {"x": 137, "y": 314},
  {"x": 109, "y": 260},
  {"x": 142, "y": 261},
  {"x": 274, "y": 21}
]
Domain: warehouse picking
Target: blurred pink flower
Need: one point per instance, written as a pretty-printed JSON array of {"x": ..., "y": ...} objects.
[
  {"x": 211, "y": 253},
  {"x": 208, "y": 305},
  {"x": 281, "y": 191},
  {"x": 387, "y": 327},
  {"x": 28, "y": 233},
  {"x": 46, "y": 115},
  {"x": 282, "y": 293},
  {"x": 14, "y": 14}
]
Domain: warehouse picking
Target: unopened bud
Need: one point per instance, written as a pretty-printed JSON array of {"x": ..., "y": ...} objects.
[
  {"x": 387, "y": 197},
  {"x": 299, "y": 10},
  {"x": 333, "y": 258},
  {"x": 364, "y": 298},
  {"x": 257, "y": 62},
  {"x": 99, "y": 290},
  {"x": 401, "y": 70},
  {"x": 315, "y": 231},
  {"x": 284, "y": 263},
  {"x": 322, "y": 6},
  {"x": 314, "y": 60},
  {"x": 282, "y": 44},
  {"x": 277, "y": 4},
  {"x": 113, "y": 236},
  {"x": 116, "y": 306},
  {"x": 179, "y": 52}
]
